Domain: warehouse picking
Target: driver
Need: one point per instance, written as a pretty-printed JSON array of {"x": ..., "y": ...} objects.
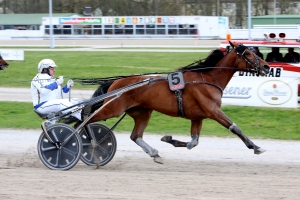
[{"x": 47, "y": 92}]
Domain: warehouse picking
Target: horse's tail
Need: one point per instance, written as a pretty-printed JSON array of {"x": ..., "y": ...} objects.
[{"x": 102, "y": 89}]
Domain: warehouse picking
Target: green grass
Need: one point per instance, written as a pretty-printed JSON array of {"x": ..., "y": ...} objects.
[{"x": 254, "y": 121}]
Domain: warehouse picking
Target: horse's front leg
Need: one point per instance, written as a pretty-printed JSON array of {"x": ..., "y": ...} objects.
[
  {"x": 195, "y": 132},
  {"x": 236, "y": 130},
  {"x": 222, "y": 118}
]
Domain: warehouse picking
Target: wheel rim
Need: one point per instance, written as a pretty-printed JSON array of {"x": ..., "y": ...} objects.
[{"x": 64, "y": 157}]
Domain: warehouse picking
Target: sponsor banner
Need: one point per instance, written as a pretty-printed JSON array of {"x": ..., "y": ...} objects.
[
  {"x": 12, "y": 54},
  {"x": 120, "y": 20},
  {"x": 80, "y": 20},
  {"x": 279, "y": 71},
  {"x": 262, "y": 91}
]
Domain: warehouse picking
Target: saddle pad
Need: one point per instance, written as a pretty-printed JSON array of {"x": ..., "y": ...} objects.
[{"x": 176, "y": 81}]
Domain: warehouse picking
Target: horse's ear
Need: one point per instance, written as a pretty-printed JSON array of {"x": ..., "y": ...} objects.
[{"x": 232, "y": 44}]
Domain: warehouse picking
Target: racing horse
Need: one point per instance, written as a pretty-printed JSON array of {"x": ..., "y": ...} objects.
[
  {"x": 3, "y": 63},
  {"x": 200, "y": 98}
]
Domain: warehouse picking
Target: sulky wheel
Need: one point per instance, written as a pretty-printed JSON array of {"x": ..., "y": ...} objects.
[
  {"x": 99, "y": 144},
  {"x": 62, "y": 154}
]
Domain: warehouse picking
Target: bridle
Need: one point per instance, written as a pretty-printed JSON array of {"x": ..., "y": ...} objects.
[
  {"x": 3, "y": 64},
  {"x": 1, "y": 59},
  {"x": 253, "y": 62}
]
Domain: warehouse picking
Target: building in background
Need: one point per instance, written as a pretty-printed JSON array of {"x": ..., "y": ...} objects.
[{"x": 27, "y": 21}]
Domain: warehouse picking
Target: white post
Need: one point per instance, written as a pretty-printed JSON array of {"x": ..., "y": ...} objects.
[
  {"x": 274, "y": 12},
  {"x": 50, "y": 25},
  {"x": 249, "y": 20}
]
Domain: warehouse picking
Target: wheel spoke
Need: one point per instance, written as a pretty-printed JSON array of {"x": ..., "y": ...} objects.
[
  {"x": 103, "y": 138},
  {"x": 102, "y": 149},
  {"x": 86, "y": 144},
  {"x": 45, "y": 149},
  {"x": 69, "y": 151}
]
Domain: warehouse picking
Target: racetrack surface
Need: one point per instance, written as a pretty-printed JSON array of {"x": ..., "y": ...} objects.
[{"x": 218, "y": 168}]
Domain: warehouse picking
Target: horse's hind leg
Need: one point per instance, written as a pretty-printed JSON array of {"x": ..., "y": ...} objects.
[
  {"x": 227, "y": 123},
  {"x": 195, "y": 132},
  {"x": 141, "y": 118}
]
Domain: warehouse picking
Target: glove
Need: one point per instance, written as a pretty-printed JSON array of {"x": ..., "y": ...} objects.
[
  {"x": 70, "y": 83},
  {"x": 60, "y": 80}
]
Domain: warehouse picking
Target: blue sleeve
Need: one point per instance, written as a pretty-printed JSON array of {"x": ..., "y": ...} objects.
[
  {"x": 65, "y": 89},
  {"x": 52, "y": 86}
]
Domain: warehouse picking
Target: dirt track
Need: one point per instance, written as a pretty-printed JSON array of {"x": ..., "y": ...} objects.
[{"x": 218, "y": 168}]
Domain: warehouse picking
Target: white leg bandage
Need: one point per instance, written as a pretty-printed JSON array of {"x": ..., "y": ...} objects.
[
  {"x": 232, "y": 126},
  {"x": 146, "y": 147}
]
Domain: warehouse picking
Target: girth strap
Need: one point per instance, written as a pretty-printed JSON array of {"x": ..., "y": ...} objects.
[
  {"x": 178, "y": 94},
  {"x": 177, "y": 84}
]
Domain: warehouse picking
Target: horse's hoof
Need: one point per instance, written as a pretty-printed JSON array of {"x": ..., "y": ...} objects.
[
  {"x": 158, "y": 159},
  {"x": 259, "y": 150},
  {"x": 166, "y": 138},
  {"x": 194, "y": 142}
]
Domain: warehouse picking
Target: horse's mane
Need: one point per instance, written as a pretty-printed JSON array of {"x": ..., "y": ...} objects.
[{"x": 205, "y": 64}]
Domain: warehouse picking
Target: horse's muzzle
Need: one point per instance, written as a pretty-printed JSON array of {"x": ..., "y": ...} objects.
[
  {"x": 263, "y": 71},
  {"x": 3, "y": 65}
]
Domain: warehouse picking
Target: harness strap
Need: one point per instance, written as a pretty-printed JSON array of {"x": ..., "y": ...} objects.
[
  {"x": 208, "y": 83},
  {"x": 178, "y": 94}
]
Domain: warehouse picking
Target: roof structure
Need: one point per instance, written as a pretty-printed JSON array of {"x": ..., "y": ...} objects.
[
  {"x": 275, "y": 20},
  {"x": 30, "y": 19},
  {"x": 277, "y": 16}
]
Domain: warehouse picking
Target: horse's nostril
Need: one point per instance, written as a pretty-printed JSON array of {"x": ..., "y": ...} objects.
[{"x": 267, "y": 67}]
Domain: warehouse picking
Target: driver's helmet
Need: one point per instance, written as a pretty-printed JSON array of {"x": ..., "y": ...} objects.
[{"x": 45, "y": 63}]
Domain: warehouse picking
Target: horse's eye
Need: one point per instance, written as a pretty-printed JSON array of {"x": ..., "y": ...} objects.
[{"x": 247, "y": 53}]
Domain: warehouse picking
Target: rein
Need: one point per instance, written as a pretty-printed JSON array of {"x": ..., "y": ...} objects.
[{"x": 236, "y": 69}]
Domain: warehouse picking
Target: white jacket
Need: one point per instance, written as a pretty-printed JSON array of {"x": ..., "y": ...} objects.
[{"x": 45, "y": 88}]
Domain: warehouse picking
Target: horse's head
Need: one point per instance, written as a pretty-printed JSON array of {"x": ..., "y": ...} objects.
[
  {"x": 3, "y": 63},
  {"x": 251, "y": 61}
]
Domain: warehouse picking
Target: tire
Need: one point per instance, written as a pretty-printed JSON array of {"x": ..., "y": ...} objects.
[
  {"x": 103, "y": 150},
  {"x": 65, "y": 157}
]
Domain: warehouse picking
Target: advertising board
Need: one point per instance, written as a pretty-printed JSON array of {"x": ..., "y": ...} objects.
[
  {"x": 12, "y": 54},
  {"x": 262, "y": 92}
]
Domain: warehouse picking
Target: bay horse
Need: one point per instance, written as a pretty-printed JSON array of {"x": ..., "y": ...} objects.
[
  {"x": 3, "y": 63},
  {"x": 200, "y": 99}
]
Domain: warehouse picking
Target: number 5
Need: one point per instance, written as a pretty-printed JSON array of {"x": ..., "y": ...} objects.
[{"x": 175, "y": 78}]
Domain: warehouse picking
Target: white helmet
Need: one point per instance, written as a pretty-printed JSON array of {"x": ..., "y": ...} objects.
[{"x": 45, "y": 63}]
